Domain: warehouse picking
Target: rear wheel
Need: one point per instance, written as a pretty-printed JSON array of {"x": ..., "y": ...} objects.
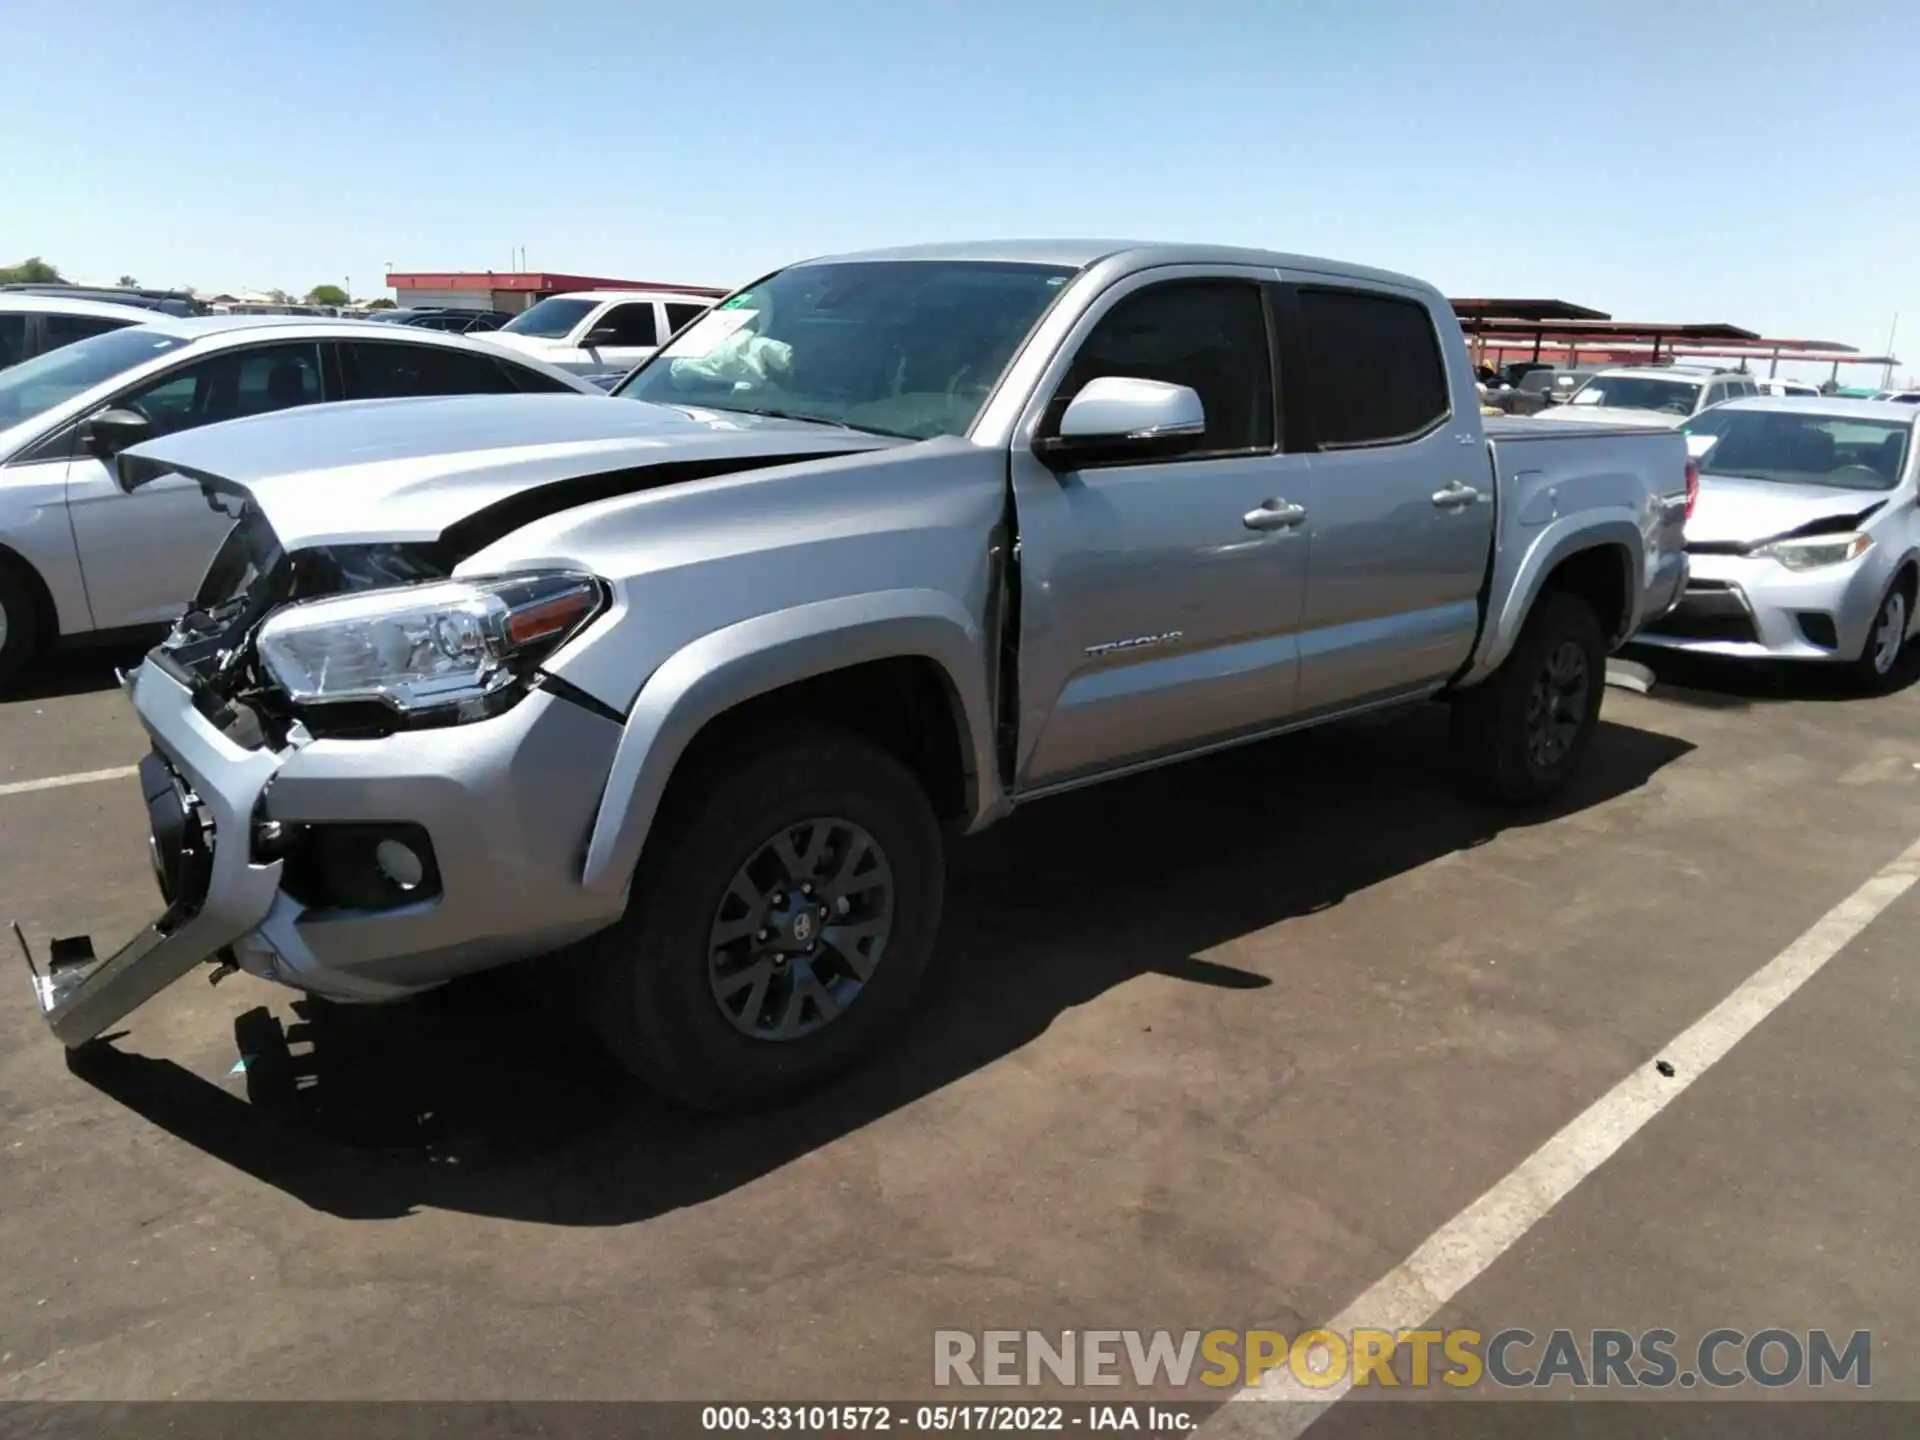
[
  {"x": 19, "y": 623},
  {"x": 1874, "y": 671},
  {"x": 1520, "y": 734},
  {"x": 779, "y": 930}
]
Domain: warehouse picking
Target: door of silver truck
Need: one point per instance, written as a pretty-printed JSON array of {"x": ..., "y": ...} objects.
[
  {"x": 1401, "y": 527},
  {"x": 1160, "y": 599}
]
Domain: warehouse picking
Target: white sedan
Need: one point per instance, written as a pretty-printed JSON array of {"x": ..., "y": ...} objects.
[{"x": 80, "y": 556}]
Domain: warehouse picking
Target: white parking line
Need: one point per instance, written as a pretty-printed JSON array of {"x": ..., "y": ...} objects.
[
  {"x": 54, "y": 782},
  {"x": 1456, "y": 1254}
]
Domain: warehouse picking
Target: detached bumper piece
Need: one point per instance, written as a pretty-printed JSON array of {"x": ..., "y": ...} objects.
[
  {"x": 82, "y": 996},
  {"x": 201, "y": 790}
]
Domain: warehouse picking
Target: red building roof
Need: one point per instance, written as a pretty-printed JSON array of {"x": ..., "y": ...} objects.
[{"x": 536, "y": 280}]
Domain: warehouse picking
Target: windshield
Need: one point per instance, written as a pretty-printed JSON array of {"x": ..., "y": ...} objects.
[
  {"x": 1802, "y": 449},
  {"x": 1639, "y": 392},
  {"x": 550, "y": 318},
  {"x": 39, "y": 384},
  {"x": 902, "y": 347}
]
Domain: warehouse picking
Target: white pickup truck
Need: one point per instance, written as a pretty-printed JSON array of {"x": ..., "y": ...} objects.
[{"x": 701, "y": 674}]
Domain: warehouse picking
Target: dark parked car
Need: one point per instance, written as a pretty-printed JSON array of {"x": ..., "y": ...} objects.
[
  {"x": 456, "y": 320},
  {"x": 167, "y": 302}
]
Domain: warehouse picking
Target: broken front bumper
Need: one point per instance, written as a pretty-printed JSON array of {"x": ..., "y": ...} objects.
[
  {"x": 500, "y": 808},
  {"x": 215, "y": 891}
]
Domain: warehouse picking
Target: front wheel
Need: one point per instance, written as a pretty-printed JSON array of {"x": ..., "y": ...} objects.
[
  {"x": 779, "y": 929},
  {"x": 1521, "y": 733},
  {"x": 19, "y": 624},
  {"x": 1874, "y": 671}
]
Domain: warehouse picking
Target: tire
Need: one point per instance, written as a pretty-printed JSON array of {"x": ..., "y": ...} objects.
[
  {"x": 656, "y": 978},
  {"x": 19, "y": 624},
  {"x": 1520, "y": 734},
  {"x": 1878, "y": 664}
]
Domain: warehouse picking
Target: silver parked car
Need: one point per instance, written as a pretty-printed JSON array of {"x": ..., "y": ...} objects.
[
  {"x": 882, "y": 547},
  {"x": 81, "y": 557},
  {"x": 1803, "y": 545}
]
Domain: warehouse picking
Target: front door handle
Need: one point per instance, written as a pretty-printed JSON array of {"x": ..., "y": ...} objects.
[
  {"x": 1274, "y": 514},
  {"x": 1457, "y": 493}
]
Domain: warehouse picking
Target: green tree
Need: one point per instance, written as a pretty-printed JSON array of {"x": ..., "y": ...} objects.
[
  {"x": 31, "y": 271},
  {"x": 381, "y": 304},
  {"x": 279, "y": 297},
  {"x": 128, "y": 281},
  {"x": 327, "y": 295}
]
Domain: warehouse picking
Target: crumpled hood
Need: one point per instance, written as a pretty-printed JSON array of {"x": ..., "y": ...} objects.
[
  {"x": 1615, "y": 415},
  {"x": 397, "y": 471},
  {"x": 1735, "y": 511}
]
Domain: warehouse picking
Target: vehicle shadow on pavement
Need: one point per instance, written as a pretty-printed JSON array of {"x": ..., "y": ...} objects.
[
  {"x": 1711, "y": 682},
  {"x": 489, "y": 1098}
]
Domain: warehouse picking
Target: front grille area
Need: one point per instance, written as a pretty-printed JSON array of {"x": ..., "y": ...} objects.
[{"x": 1709, "y": 610}]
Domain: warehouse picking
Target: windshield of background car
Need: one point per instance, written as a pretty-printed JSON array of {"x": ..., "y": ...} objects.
[
  {"x": 900, "y": 347},
  {"x": 39, "y": 384},
  {"x": 549, "y": 319},
  {"x": 1799, "y": 449},
  {"x": 1639, "y": 392}
]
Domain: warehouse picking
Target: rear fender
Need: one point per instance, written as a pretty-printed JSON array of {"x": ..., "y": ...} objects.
[
  {"x": 710, "y": 676},
  {"x": 1521, "y": 571}
]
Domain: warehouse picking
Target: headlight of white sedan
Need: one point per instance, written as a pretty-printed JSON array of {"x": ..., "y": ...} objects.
[
  {"x": 1811, "y": 552},
  {"x": 447, "y": 645}
]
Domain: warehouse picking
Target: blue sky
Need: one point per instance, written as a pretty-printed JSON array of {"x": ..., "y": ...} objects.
[{"x": 1692, "y": 160}]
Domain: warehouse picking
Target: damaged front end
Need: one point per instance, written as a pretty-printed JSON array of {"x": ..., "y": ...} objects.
[{"x": 280, "y": 650}]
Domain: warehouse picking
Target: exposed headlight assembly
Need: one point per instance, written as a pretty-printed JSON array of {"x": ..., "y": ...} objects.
[
  {"x": 449, "y": 649},
  {"x": 1811, "y": 552}
]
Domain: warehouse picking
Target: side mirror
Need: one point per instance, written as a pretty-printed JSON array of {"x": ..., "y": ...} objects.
[
  {"x": 601, "y": 335},
  {"x": 112, "y": 431},
  {"x": 1120, "y": 418}
]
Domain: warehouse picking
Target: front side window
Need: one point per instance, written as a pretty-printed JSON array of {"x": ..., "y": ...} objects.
[
  {"x": 549, "y": 319},
  {"x": 53, "y": 376},
  {"x": 630, "y": 325},
  {"x": 13, "y": 339},
  {"x": 1797, "y": 448},
  {"x": 384, "y": 370},
  {"x": 229, "y": 385},
  {"x": 901, "y": 347},
  {"x": 1209, "y": 335},
  {"x": 1640, "y": 392},
  {"x": 1374, "y": 369}
]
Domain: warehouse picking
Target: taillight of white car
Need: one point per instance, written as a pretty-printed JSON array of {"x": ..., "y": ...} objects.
[
  {"x": 447, "y": 650},
  {"x": 1693, "y": 485}
]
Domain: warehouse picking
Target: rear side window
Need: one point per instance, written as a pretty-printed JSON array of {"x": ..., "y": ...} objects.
[
  {"x": 1374, "y": 372},
  {"x": 533, "y": 382},
  {"x": 61, "y": 330},
  {"x": 13, "y": 340},
  {"x": 1209, "y": 335},
  {"x": 383, "y": 370},
  {"x": 681, "y": 316}
]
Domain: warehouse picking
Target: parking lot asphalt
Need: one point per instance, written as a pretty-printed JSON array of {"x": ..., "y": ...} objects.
[{"x": 1215, "y": 1047}]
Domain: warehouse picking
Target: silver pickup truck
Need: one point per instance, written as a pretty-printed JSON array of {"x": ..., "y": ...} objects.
[{"x": 693, "y": 680}]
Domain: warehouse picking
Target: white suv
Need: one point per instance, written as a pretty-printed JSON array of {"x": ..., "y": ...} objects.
[
  {"x": 1653, "y": 394},
  {"x": 600, "y": 331}
]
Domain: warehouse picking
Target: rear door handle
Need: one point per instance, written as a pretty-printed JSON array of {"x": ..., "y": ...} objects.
[
  {"x": 1458, "y": 492},
  {"x": 1274, "y": 514}
]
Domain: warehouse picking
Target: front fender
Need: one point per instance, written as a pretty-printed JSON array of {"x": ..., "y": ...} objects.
[
  {"x": 711, "y": 675},
  {"x": 1522, "y": 569}
]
